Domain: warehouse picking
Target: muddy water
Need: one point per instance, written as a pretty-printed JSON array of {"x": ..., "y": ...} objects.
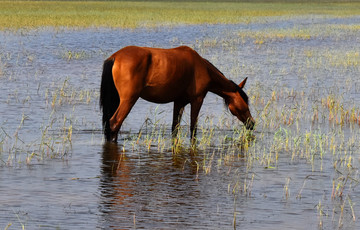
[{"x": 49, "y": 81}]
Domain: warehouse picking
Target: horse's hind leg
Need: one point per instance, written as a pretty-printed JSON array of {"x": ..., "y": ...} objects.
[{"x": 119, "y": 116}]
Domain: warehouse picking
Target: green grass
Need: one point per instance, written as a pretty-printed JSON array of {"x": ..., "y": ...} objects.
[{"x": 132, "y": 14}]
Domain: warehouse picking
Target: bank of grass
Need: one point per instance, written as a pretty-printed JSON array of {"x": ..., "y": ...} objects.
[{"x": 134, "y": 14}]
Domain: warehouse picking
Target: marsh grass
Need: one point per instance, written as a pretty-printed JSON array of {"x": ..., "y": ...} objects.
[
  {"x": 75, "y": 55},
  {"x": 132, "y": 14},
  {"x": 54, "y": 139},
  {"x": 50, "y": 145},
  {"x": 67, "y": 94}
]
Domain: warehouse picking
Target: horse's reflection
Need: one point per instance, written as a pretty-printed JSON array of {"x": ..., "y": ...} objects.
[
  {"x": 129, "y": 186},
  {"x": 116, "y": 182}
]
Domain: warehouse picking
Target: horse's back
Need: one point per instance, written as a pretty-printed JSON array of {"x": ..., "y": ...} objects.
[{"x": 138, "y": 50}]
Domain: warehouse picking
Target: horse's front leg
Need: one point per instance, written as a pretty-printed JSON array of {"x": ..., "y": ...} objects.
[
  {"x": 178, "y": 112},
  {"x": 119, "y": 116},
  {"x": 195, "y": 109}
]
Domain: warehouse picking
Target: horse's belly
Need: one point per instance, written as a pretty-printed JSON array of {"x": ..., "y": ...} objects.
[{"x": 160, "y": 94}]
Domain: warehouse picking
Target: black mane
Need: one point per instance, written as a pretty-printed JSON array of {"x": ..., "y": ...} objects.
[
  {"x": 242, "y": 93},
  {"x": 213, "y": 66}
]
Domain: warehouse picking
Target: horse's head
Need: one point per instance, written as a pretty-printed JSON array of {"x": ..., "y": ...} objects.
[{"x": 238, "y": 104}]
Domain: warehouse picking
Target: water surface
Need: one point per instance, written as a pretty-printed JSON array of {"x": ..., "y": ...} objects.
[{"x": 49, "y": 81}]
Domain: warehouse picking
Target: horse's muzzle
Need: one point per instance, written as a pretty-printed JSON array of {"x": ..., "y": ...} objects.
[{"x": 250, "y": 124}]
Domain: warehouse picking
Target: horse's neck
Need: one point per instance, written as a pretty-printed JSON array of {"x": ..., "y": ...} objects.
[{"x": 220, "y": 85}]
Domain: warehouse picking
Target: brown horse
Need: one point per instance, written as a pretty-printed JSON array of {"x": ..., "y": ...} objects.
[{"x": 178, "y": 75}]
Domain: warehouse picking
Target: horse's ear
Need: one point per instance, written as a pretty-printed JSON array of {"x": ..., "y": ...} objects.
[{"x": 242, "y": 84}]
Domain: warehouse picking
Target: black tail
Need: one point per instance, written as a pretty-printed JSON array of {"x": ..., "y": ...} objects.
[{"x": 109, "y": 97}]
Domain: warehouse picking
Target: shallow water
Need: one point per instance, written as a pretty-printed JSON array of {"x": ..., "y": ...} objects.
[{"x": 51, "y": 79}]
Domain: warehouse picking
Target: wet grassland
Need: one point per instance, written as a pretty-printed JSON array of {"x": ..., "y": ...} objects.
[
  {"x": 301, "y": 163},
  {"x": 135, "y": 14}
]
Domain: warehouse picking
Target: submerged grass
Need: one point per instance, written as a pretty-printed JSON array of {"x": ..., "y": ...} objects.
[{"x": 133, "y": 14}]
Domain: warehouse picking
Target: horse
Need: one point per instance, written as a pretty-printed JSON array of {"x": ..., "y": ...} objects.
[{"x": 178, "y": 75}]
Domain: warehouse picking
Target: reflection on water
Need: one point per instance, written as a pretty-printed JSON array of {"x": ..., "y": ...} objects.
[
  {"x": 116, "y": 183},
  {"x": 150, "y": 190}
]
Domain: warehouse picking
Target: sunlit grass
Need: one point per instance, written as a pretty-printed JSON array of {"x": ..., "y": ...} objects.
[{"x": 132, "y": 14}]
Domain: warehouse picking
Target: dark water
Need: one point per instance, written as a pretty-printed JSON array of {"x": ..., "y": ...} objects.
[{"x": 56, "y": 171}]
